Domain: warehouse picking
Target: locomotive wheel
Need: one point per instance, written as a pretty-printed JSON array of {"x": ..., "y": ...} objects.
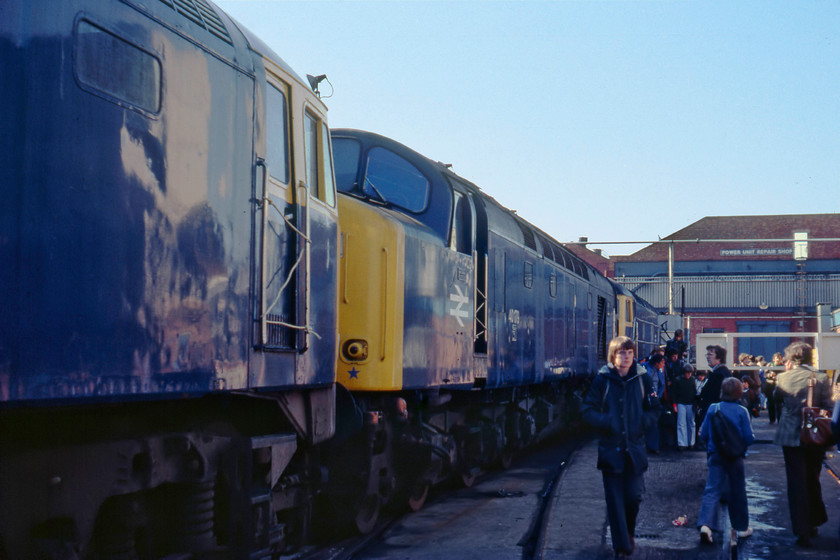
[
  {"x": 418, "y": 497},
  {"x": 367, "y": 514}
]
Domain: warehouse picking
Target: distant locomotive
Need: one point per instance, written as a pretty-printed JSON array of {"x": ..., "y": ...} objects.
[
  {"x": 168, "y": 272},
  {"x": 463, "y": 328}
]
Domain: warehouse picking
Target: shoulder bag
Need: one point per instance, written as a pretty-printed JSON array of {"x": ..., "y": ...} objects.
[{"x": 816, "y": 422}]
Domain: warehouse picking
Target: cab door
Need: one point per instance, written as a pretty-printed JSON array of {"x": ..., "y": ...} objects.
[{"x": 296, "y": 238}]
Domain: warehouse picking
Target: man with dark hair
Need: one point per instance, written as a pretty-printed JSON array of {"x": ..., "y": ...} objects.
[
  {"x": 716, "y": 356},
  {"x": 656, "y": 371},
  {"x": 673, "y": 365},
  {"x": 677, "y": 344}
]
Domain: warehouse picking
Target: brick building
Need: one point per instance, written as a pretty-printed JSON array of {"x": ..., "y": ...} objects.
[{"x": 723, "y": 284}]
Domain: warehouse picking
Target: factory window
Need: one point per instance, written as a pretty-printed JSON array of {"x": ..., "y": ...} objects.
[
  {"x": 552, "y": 285},
  {"x": 393, "y": 180},
  {"x": 277, "y": 135},
  {"x": 116, "y": 68}
]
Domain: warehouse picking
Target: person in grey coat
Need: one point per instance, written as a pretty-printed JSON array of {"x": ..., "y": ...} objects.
[
  {"x": 621, "y": 405},
  {"x": 802, "y": 464}
]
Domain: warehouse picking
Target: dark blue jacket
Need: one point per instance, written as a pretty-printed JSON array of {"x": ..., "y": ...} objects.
[
  {"x": 710, "y": 393},
  {"x": 736, "y": 414},
  {"x": 621, "y": 409}
]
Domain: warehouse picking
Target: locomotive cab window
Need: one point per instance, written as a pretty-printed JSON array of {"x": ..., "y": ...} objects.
[
  {"x": 393, "y": 180},
  {"x": 319, "y": 176},
  {"x": 277, "y": 135},
  {"x": 121, "y": 71},
  {"x": 346, "y": 154}
]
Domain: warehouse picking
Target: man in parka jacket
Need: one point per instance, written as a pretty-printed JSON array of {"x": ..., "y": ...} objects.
[{"x": 621, "y": 405}]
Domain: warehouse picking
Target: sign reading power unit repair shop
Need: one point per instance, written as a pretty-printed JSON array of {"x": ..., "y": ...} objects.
[{"x": 754, "y": 252}]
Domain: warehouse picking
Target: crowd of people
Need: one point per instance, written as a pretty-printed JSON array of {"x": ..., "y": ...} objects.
[{"x": 640, "y": 406}]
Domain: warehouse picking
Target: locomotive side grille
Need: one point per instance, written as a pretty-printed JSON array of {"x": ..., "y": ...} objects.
[
  {"x": 278, "y": 334},
  {"x": 528, "y": 234},
  {"x": 200, "y": 12},
  {"x": 548, "y": 252},
  {"x": 602, "y": 328}
]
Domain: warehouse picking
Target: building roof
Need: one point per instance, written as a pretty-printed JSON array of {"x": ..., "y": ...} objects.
[{"x": 746, "y": 227}]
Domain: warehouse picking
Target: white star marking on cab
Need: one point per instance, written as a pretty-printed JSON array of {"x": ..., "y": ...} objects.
[{"x": 460, "y": 299}]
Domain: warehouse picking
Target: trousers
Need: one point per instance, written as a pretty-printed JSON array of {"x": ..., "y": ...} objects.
[
  {"x": 727, "y": 481},
  {"x": 623, "y": 492},
  {"x": 807, "y": 510},
  {"x": 685, "y": 425}
]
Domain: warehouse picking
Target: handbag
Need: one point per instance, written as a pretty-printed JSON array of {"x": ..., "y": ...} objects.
[{"x": 816, "y": 422}]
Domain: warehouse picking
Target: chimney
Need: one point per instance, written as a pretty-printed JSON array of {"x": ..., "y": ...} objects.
[
  {"x": 583, "y": 240},
  {"x": 598, "y": 252}
]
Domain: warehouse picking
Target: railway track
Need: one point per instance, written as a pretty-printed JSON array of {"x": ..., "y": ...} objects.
[{"x": 503, "y": 515}]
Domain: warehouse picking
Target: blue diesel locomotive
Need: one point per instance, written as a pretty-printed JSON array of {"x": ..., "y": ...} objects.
[
  {"x": 203, "y": 347},
  {"x": 463, "y": 329},
  {"x": 169, "y": 249}
]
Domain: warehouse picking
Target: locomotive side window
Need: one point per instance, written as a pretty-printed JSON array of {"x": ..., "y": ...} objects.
[
  {"x": 329, "y": 182},
  {"x": 116, "y": 68},
  {"x": 310, "y": 141},
  {"x": 346, "y": 153},
  {"x": 317, "y": 150},
  {"x": 462, "y": 225},
  {"x": 277, "y": 135},
  {"x": 391, "y": 179}
]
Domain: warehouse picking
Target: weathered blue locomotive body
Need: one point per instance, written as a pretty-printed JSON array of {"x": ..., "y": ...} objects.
[
  {"x": 178, "y": 298},
  {"x": 169, "y": 212},
  {"x": 464, "y": 330},
  {"x": 489, "y": 301}
]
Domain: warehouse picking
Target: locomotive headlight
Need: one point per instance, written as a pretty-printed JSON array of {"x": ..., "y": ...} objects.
[{"x": 355, "y": 350}]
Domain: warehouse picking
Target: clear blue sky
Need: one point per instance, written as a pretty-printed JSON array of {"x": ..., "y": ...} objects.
[{"x": 615, "y": 120}]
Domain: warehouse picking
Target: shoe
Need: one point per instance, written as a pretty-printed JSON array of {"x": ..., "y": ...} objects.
[
  {"x": 804, "y": 542},
  {"x": 745, "y": 533},
  {"x": 706, "y": 535}
]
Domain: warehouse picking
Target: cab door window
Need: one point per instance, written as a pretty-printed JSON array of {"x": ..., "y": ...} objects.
[
  {"x": 277, "y": 135},
  {"x": 319, "y": 175}
]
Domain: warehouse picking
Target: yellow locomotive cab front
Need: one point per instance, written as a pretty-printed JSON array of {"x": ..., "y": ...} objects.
[{"x": 371, "y": 298}]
